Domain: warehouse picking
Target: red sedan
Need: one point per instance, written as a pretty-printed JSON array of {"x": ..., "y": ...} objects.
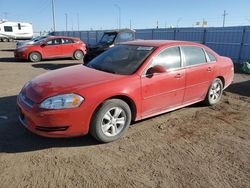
[
  {"x": 129, "y": 82},
  {"x": 52, "y": 47}
]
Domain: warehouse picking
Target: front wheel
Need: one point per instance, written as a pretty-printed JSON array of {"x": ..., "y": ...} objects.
[
  {"x": 111, "y": 120},
  {"x": 78, "y": 55},
  {"x": 35, "y": 57},
  {"x": 214, "y": 92}
]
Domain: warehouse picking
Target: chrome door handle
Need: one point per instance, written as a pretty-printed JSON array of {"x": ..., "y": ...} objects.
[{"x": 209, "y": 69}]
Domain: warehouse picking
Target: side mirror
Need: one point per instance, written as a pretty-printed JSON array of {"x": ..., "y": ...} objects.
[
  {"x": 43, "y": 45},
  {"x": 156, "y": 69}
]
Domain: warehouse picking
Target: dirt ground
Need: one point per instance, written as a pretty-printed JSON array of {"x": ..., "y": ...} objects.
[{"x": 197, "y": 146}]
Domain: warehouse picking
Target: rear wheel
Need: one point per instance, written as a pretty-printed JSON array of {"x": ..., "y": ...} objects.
[
  {"x": 35, "y": 57},
  {"x": 111, "y": 120},
  {"x": 215, "y": 92},
  {"x": 78, "y": 55}
]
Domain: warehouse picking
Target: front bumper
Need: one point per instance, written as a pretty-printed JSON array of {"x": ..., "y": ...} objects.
[
  {"x": 53, "y": 123},
  {"x": 20, "y": 55}
]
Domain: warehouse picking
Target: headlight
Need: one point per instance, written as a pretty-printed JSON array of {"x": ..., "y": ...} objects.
[
  {"x": 22, "y": 49},
  {"x": 62, "y": 101}
]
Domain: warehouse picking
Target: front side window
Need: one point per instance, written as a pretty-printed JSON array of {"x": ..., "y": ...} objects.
[
  {"x": 123, "y": 37},
  {"x": 8, "y": 29},
  {"x": 193, "y": 55},
  {"x": 122, "y": 59},
  {"x": 19, "y": 26},
  {"x": 169, "y": 58},
  {"x": 210, "y": 56},
  {"x": 54, "y": 42}
]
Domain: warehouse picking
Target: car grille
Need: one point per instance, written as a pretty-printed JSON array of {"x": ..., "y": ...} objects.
[{"x": 26, "y": 100}]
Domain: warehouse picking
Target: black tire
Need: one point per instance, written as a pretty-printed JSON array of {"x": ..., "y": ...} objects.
[
  {"x": 5, "y": 40},
  {"x": 214, "y": 92},
  {"x": 35, "y": 57},
  {"x": 100, "y": 122},
  {"x": 78, "y": 54}
]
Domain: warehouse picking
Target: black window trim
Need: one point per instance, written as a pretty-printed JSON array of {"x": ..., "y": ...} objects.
[
  {"x": 207, "y": 56},
  {"x": 204, "y": 51},
  {"x": 144, "y": 73}
]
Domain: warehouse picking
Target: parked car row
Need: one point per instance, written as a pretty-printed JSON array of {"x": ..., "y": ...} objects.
[
  {"x": 50, "y": 47},
  {"x": 129, "y": 82}
]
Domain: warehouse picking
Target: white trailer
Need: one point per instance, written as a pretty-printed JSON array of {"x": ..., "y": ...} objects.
[{"x": 15, "y": 31}]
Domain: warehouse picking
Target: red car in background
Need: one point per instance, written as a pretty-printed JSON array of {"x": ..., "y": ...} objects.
[
  {"x": 52, "y": 47},
  {"x": 129, "y": 82}
]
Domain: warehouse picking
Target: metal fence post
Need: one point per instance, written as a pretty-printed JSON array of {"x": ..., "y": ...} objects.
[
  {"x": 175, "y": 33},
  {"x": 88, "y": 36},
  {"x": 242, "y": 44},
  {"x": 152, "y": 34},
  {"x": 80, "y": 35},
  {"x": 96, "y": 37},
  {"x": 204, "y": 36}
]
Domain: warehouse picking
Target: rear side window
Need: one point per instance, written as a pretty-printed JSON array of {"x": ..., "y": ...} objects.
[
  {"x": 67, "y": 41},
  {"x": 193, "y": 55},
  {"x": 123, "y": 37},
  {"x": 169, "y": 58},
  {"x": 8, "y": 29},
  {"x": 211, "y": 56}
]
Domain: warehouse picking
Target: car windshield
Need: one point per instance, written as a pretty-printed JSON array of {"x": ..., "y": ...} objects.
[
  {"x": 108, "y": 38},
  {"x": 122, "y": 59},
  {"x": 40, "y": 41}
]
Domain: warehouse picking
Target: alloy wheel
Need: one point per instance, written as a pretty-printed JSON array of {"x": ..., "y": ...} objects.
[{"x": 113, "y": 121}]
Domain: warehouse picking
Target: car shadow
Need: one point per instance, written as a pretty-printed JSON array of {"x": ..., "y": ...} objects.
[
  {"x": 8, "y": 60},
  {"x": 240, "y": 88},
  {"x": 14, "y": 138},
  {"x": 7, "y": 50},
  {"x": 52, "y": 66}
]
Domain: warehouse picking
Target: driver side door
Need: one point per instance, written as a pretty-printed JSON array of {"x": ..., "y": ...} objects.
[
  {"x": 163, "y": 91},
  {"x": 52, "y": 48}
]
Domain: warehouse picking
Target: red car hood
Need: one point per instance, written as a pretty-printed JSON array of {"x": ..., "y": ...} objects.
[{"x": 66, "y": 80}]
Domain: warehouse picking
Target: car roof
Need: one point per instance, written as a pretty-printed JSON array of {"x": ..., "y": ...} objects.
[
  {"x": 119, "y": 31},
  {"x": 55, "y": 37},
  {"x": 159, "y": 43}
]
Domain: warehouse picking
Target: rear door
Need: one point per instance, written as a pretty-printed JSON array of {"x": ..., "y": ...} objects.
[
  {"x": 199, "y": 73},
  {"x": 52, "y": 48},
  {"x": 164, "y": 90},
  {"x": 68, "y": 47}
]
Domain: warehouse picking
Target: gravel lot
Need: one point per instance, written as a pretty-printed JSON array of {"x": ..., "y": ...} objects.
[{"x": 196, "y": 146}]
